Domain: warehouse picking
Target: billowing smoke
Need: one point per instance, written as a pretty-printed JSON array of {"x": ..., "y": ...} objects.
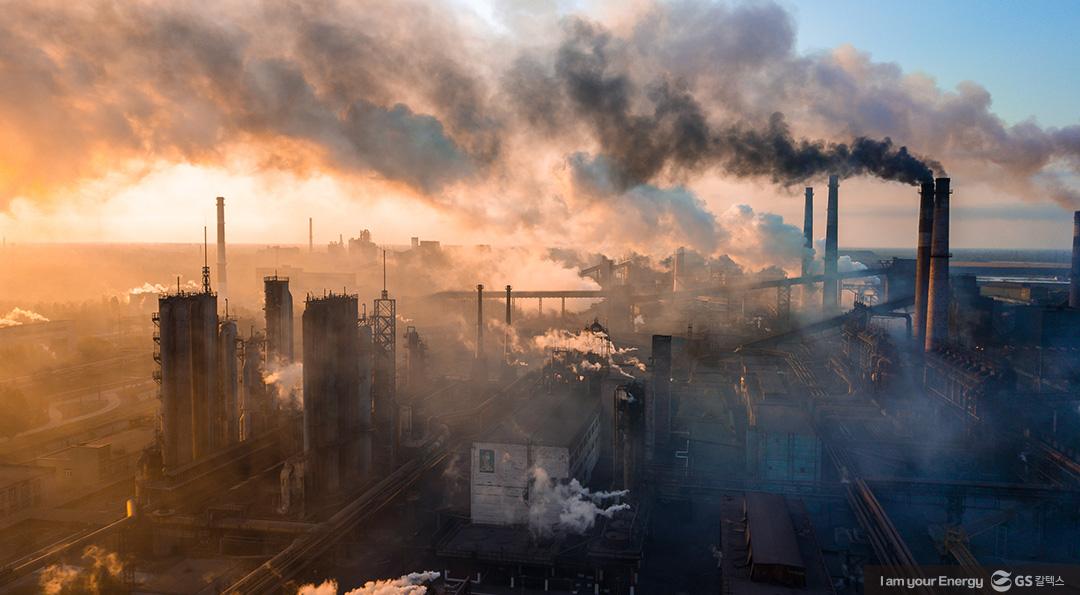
[
  {"x": 410, "y": 584},
  {"x": 560, "y": 508},
  {"x": 100, "y": 573},
  {"x": 158, "y": 288},
  {"x": 479, "y": 123},
  {"x": 287, "y": 381},
  {"x": 18, "y": 316},
  {"x": 672, "y": 133}
]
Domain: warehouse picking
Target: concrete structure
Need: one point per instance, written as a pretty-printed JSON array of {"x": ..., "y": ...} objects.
[
  {"x": 678, "y": 269},
  {"x": 1074, "y": 271},
  {"x": 808, "y": 232},
  {"x": 256, "y": 402},
  {"x": 658, "y": 401},
  {"x": 830, "y": 294},
  {"x": 278, "y": 308},
  {"x": 780, "y": 441},
  {"x": 558, "y": 434},
  {"x": 333, "y": 403},
  {"x": 363, "y": 249},
  {"x": 480, "y": 362},
  {"x": 227, "y": 407},
  {"x": 937, "y": 316},
  {"x": 922, "y": 260},
  {"x": 187, "y": 344},
  {"x": 21, "y": 487}
]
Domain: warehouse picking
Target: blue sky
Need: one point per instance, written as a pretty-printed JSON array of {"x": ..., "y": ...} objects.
[{"x": 1027, "y": 54}]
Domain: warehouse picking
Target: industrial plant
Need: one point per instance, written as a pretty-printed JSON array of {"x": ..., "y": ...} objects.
[
  {"x": 519, "y": 297},
  {"x": 682, "y": 426}
]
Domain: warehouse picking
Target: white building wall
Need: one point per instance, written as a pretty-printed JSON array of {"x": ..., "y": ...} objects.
[{"x": 500, "y": 482}]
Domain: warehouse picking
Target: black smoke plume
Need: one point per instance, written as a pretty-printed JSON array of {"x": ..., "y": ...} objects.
[{"x": 677, "y": 135}]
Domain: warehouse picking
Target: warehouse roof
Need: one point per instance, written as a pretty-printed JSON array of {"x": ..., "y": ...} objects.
[{"x": 770, "y": 532}]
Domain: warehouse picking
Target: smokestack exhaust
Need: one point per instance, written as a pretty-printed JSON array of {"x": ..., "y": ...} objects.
[
  {"x": 922, "y": 259},
  {"x": 221, "y": 273},
  {"x": 830, "y": 289},
  {"x": 1074, "y": 273},
  {"x": 937, "y": 323},
  {"x": 808, "y": 232}
]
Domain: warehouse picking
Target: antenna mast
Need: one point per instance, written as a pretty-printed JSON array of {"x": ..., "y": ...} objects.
[
  {"x": 384, "y": 294},
  {"x": 206, "y": 265}
]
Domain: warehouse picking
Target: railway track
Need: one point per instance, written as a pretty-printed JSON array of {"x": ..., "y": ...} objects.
[
  {"x": 885, "y": 540},
  {"x": 286, "y": 564}
]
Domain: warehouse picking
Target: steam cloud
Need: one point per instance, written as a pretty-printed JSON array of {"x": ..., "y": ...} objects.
[
  {"x": 287, "y": 379},
  {"x": 18, "y": 316},
  {"x": 556, "y": 507},
  {"x": 410, "y": 584},
  {"x": 101, "y": 574}
]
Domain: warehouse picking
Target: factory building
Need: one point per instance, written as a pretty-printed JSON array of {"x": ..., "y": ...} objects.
[
  {"x": 558, "y": 434},
  {"x": 362, "y": 249},
  {"x": 336, "y": 410},
  {"x": 256, "y": 400},
  {"x": 21, "y": 487},
  {"x": 658, "y": 405},
  {"x": 197, "y": 371},
  {"x": 769, "y": 546},
  {"x": 780, "y": 442},
  {"x": 278, "y": 308}
]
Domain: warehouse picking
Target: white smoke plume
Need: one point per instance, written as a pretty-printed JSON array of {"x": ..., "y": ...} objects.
[
  {"x": 559, "y": 508},
  {"x": 159, "y": 288},
  {"x": 409, "y": 584},
  {"x": 287, "y": 380},
  {"x": 100, "y": 574},
  {"x": 588, "y": 342},
  {"x": 18, "y": 316}
]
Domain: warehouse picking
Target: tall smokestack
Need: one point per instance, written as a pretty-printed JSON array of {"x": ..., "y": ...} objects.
[
  {"x": 922, "y": 259},
  {"x": 829, "y": 298},
  {"x": 1074, "y": 273},
  {"x": 221, "y": 273},
  {"x": 506, "y": 334},
  {"x": 937, "y": 316},
  {"x": 310, "y": 235},
  {"x": 677, "y": 266},
  {"x": 479, "y": 322},
  {"x": 808, "y": 232}
]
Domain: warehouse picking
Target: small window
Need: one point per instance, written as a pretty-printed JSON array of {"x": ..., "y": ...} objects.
[{"x": 487, "y": 460}]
